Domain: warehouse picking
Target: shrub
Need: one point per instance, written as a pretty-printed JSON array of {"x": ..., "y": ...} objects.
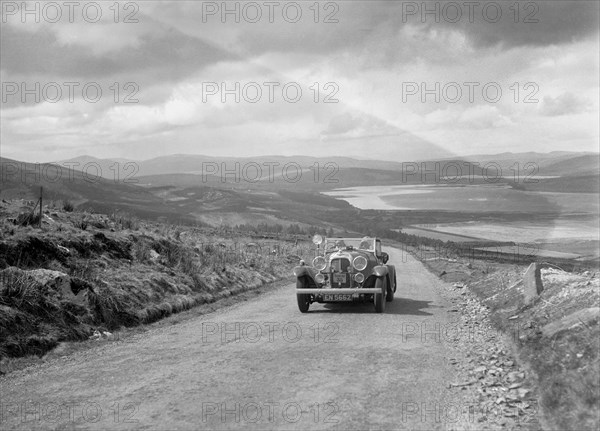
[
  {"x": 7, "y": 227},
  {"x": 141, "y": 251},
  {"x": 68, "y": 206},
  {"x": 81, "y": 223},
  {"x": 27, "y": 219},
  {"x": 16, "y": 289},
  {"x": 187, "y": 264},
  {"x": 199, "y": 283},
  {"x": 126, "y": 221}
]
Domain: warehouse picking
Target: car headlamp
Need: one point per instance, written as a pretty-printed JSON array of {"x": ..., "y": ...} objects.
[
  {"x": 319, "y": 263},
  {"x": 359, "y": 263}
]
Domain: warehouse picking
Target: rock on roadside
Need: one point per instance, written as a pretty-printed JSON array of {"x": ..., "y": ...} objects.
[{"x": 46, "y": 278}]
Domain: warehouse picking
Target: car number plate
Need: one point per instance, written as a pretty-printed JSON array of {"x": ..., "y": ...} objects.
[
  {"x": 338, "y": 297},
  {"x": 339, "y": 278}
]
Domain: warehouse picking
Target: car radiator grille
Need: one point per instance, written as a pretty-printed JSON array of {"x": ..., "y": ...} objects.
[{"x": 339, "y": 267}]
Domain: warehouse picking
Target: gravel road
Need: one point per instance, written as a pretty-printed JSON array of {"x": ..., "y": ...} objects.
[{"x": 261, "y": 364}]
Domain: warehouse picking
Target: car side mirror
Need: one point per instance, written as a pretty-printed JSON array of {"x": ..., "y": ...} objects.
[{"x": 384, "y": 257}]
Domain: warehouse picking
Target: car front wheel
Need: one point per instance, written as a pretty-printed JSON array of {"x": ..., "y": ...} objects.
[
  {"x": 380, "y": 297},
  {"x": 303, "y": 302}
]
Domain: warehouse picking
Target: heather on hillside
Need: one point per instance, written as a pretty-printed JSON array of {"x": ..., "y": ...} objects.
[{"x": 81, "y": 273}]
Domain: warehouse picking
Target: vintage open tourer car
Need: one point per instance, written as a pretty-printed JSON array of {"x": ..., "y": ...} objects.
[{"x": 346, "y": 270}]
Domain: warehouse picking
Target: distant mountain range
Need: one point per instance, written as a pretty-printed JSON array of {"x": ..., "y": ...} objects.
[
  {"x": 557, "y": 163},
  {"x": 576, "y": 171}
]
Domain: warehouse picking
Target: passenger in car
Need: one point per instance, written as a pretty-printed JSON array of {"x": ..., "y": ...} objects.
[{"x": 365, "y": 244}]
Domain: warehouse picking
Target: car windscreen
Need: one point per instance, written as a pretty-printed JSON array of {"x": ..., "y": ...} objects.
[{"x": 356, "y": 243}]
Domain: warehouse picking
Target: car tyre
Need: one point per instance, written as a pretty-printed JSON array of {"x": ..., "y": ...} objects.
[
  {"x": 379, "y": 298},
  {"x": 390, "y": 294},
  {"x": 303, "y": 302}
]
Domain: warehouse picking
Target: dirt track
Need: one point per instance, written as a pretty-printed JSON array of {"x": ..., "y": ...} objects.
[{"x": 262, "y": 365}]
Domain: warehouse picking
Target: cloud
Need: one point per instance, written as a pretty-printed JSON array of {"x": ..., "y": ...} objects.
[
  {"x": 340, "y": 124},
  {"x": 472, "y": 117},
  {"x": 79, "y": 25},
  {"x": 484, "y": 117},
  {"x": 114, "y": 39},
  {"x": 564, "y": 104},
  {"x": 510, "y": 24},
  {"x": 383, "y": 32},
  {"x": 63, "y": 53},
  {"x": 358, "y": 125}
]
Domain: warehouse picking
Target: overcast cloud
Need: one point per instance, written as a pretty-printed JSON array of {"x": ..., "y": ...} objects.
[{"x": 368, "y": 67}]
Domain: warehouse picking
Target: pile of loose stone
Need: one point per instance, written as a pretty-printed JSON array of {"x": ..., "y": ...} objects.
[{"x": 502, "y": 392}]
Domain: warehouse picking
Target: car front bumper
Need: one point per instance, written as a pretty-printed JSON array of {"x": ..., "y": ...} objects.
[{"x": 342, "y": 291}]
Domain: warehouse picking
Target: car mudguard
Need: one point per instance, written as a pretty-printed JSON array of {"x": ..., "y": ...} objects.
[
  {"x": 380, "y": 270},
  {"x": 305, "y": 273},
  {"x": 301, "y": 271}
]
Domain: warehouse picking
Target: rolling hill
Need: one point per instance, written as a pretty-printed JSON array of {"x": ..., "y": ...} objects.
[
  {"x": 178, "y": 198},
  {"x": 281, "y": 171},
  {"x": 21, "y": 180}
]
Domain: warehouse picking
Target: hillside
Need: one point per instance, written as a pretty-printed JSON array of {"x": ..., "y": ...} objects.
[
  {"x": 575, "y": 166},
  {"x": 20, "y": 180},
  {"x": 178, "y": 198},
  {"x": 84, "y": 273}
]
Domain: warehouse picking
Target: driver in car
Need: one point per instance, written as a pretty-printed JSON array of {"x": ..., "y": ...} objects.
[
  {"x": 340, "y": 244},
  {"x": 365, "y": 244}
]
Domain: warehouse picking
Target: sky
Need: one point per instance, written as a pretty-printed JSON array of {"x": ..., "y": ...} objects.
[{"x": 384, "y": 80}]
